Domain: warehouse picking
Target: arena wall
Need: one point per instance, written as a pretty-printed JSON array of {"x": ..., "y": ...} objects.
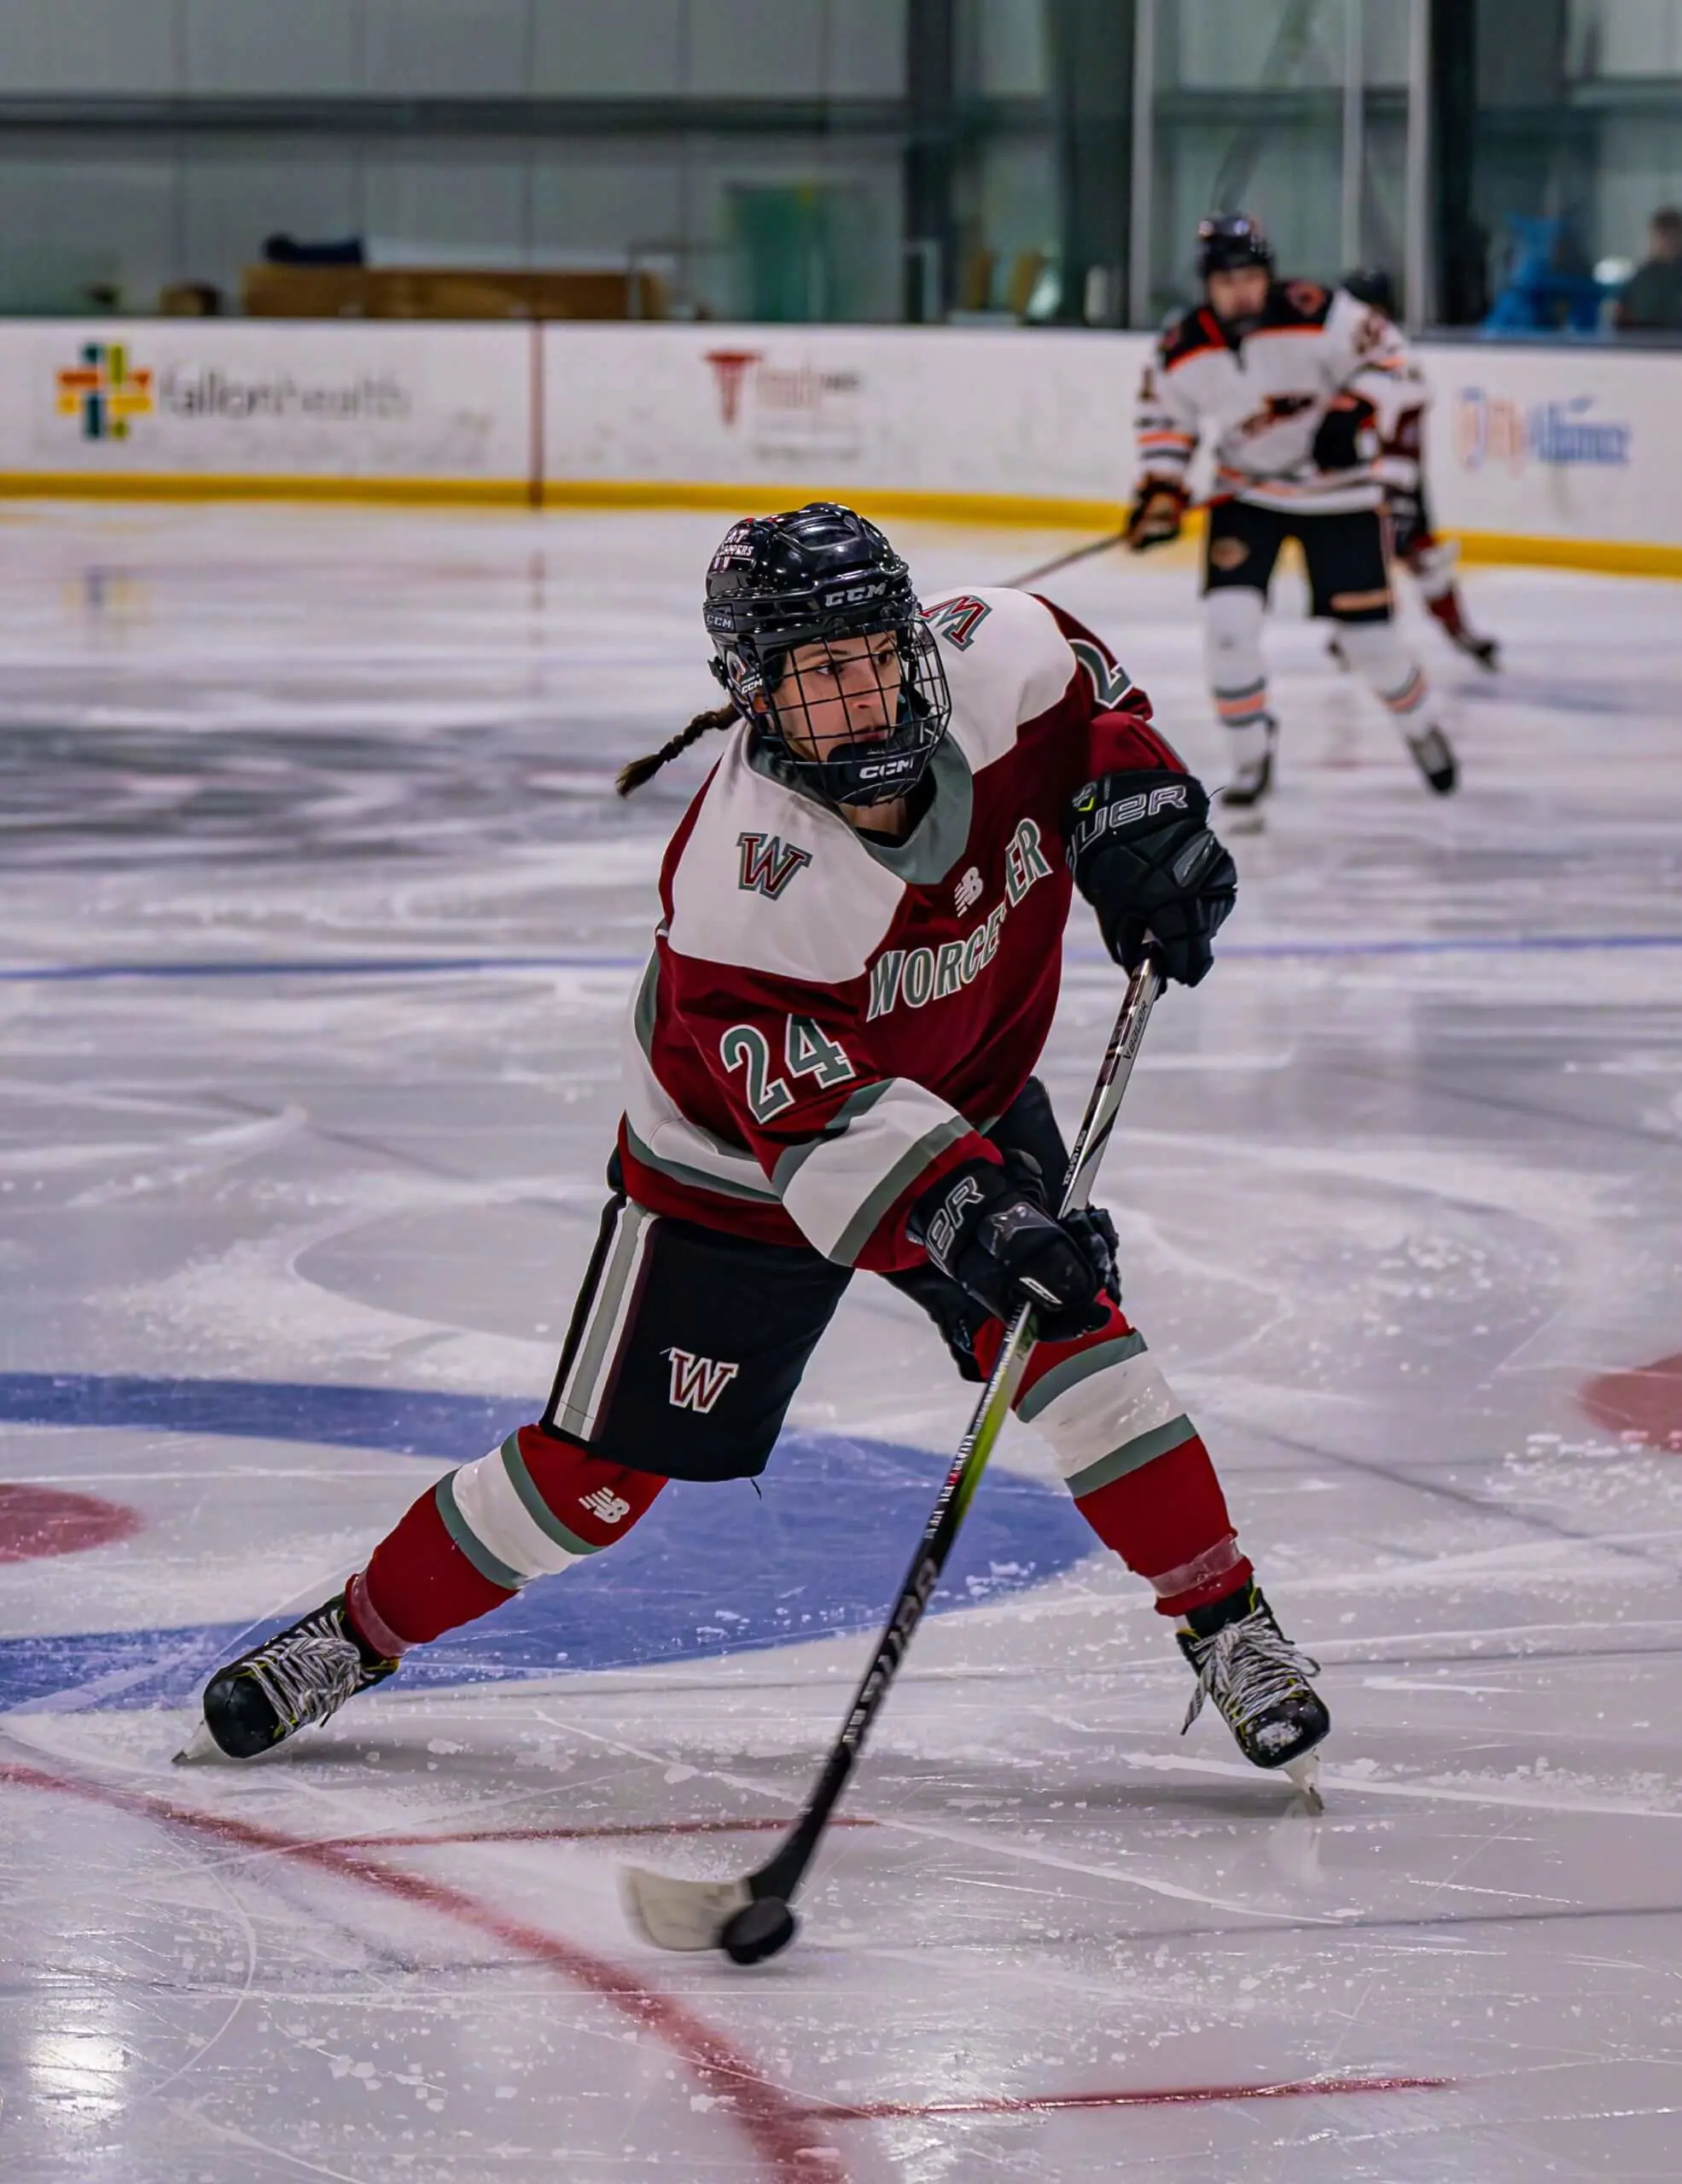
[{"x": 1539, "y": 453}]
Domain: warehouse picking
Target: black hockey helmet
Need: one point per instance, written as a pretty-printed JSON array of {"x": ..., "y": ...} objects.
[
  {"x": 817, "y": 576},
  {"x": 1372, "y": 284},
  {"x": 1227, "y": 240}
]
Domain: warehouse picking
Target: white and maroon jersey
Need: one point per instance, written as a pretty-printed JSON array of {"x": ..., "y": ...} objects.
[
  {"x": 827, "y": 1022},
  {"x": 1260, "y": 401}
]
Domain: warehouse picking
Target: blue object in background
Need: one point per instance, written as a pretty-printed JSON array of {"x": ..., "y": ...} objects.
[
  {"x": 821, "y": 1546},
  {"x": 1536, "y": 296}
]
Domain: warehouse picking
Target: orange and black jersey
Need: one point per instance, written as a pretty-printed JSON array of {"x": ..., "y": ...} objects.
[{"x": 1259, "y": 401}]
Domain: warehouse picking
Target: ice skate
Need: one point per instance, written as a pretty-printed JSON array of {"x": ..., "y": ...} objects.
[
  {"x": 300, "y": 1675},
  {"x": 1434, "y": 755},
  {"x": 1259, "y": 1681},
  {"x": 1252, "y": 781},
  {"x": 1484, "y": 650}
]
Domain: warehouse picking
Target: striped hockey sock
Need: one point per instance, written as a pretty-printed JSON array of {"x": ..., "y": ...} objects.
[{"x": 535, "y": 1506}]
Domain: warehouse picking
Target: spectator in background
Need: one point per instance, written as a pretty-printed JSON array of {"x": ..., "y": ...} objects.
[{"x": 1652, "y": 301}]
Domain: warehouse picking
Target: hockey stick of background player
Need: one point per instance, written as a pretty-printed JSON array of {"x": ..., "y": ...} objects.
[
  {"x": 1067, "y": 560},
  {"x": 750, "y": 1918}
]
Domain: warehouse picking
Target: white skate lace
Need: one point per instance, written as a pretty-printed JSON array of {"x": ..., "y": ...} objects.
[
  {"x": 308, "y": 1673},
  {"x": 1247, "y": 1668}
]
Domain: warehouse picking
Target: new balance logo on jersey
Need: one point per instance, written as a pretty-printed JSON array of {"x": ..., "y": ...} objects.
[
  {"x": 968, "y": 892},
  {"x": 768, "y": 863},
  {"x": 605, "y": 1504},
  {"x": 698, "y": 1382},
  {"x": 912, "y": 977}
]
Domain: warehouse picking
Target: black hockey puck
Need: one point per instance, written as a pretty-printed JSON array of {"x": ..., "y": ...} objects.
[{"x": 757, "y": 1930}]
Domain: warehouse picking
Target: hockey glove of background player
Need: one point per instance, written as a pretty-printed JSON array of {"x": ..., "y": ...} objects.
[
  {"x": 1337, "y": 442},
  {"x": 1155, "y": 516},
  {"x": 986, "y": 1231},
  {"x": 1142, "y": 853}
]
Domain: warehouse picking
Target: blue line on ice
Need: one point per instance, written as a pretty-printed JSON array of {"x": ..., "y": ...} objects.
[
  {"x": 411, "y": 967},
  {"x": 710, "y": 1569}
]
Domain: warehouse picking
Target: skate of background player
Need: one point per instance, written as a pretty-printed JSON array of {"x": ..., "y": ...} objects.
[{"x": 749, "y": 1919}]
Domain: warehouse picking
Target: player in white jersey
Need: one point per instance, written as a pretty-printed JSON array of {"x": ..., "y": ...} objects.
[
  {"x": 1296, "y": 387},
  {"x": 1429, "y": 560},
  {"x": 830, "y": 1067}
]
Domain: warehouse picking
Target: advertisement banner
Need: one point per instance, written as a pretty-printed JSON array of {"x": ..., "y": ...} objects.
[
  {"x": 1562, "y": 442},
  {"x": 1011, "y": 414},
  {"x": 266, "y": 399}
]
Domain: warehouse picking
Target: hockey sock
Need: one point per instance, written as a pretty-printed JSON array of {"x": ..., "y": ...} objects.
[
  {"x": 1168, "y": 1522},
  {"x": 1238, "y": 680},
  {"x": 535, "y": 1506},
  {"x": 1132, "y": 1459},
  {"x": 1379, "y": 657}
]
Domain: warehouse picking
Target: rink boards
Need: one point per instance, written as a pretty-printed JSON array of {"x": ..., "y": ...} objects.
[{"x": 1548, "y": 452}]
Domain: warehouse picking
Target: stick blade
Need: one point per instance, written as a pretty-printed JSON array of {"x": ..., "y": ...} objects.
[{"x": 680, "y": 1914}]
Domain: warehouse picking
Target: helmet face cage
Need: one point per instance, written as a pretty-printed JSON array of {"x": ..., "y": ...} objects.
[{"x": 819, "y": 581}]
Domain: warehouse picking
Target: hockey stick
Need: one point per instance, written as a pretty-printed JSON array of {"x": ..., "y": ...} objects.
[
  {"x": 750, "y": 1918},
  {"x": 1065, "y": 561}
]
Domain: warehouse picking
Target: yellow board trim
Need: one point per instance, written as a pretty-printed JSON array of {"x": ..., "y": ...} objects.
[
  {"x": 1612, "y": 556},
  {"x": 188, "y": 485},
  {"x": 1608, "y": 556},
  {"x": 1025, "y": 508}
]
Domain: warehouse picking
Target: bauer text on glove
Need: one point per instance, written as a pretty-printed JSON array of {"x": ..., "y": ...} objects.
[
  {"x": 986, "y": 1234},
  {"x": 1142, "y": 853}
]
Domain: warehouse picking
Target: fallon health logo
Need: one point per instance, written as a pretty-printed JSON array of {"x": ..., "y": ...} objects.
[
  {"x": 105, "y": 391},
  {"x": 1489, "y": 428}
]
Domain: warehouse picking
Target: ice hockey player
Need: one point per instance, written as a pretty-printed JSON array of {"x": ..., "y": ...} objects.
[
  {"x": 829, "y": 1065},
  {"x": 1296, "y": 385},
  {"x": 1429, "y": 560}
]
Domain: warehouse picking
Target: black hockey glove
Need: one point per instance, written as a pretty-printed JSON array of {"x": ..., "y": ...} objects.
[
  {"x": 1090, "y": 1225},
  {"x": 1157, "y": 515},
  {"x": 1142, "y": 853},
  {"x": 1337, "y": 442},
  {"x": 986, "y": 1232}
]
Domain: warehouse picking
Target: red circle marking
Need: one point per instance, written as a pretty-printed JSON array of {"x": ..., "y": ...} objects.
[
  {"x": 1647, "y": 1402},
  {"x": 42, "y": 1520}
]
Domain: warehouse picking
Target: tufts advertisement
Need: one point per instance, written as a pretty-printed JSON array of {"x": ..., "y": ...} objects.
[
  {"x": 267, "y": 400},
  {"x": 1006, "y": 413}
]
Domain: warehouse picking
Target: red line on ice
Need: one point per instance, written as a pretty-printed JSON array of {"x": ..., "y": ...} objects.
[
  {"x": 1647, "y": 1401},
  {"x": 778, "y": 2127},
  {"x": 874, "y": 2111}
]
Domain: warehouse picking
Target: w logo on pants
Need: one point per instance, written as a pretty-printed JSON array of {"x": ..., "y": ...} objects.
[{"x": 698, "y": 1382}]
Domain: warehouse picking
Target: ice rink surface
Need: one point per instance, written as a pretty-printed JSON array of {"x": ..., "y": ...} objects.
[{"x": 318, "y": 920}]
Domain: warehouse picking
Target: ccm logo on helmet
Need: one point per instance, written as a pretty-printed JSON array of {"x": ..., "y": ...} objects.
[{"x": 855, "y": 594}]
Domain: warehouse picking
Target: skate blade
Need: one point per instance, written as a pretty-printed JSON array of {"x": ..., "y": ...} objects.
[
  {"x": 680, "y": 1914},
  {"x": 198, "y": 1747},
  {"x": 1305, "y": 1774}
]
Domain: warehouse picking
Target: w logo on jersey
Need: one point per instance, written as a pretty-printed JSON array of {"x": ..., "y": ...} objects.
[
  {"x": 698, "y": 1382},
  {"x": 958, "y": 619},
  {"x": 1110, "y": 682},
  {"x": 768, "y": 864}
]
